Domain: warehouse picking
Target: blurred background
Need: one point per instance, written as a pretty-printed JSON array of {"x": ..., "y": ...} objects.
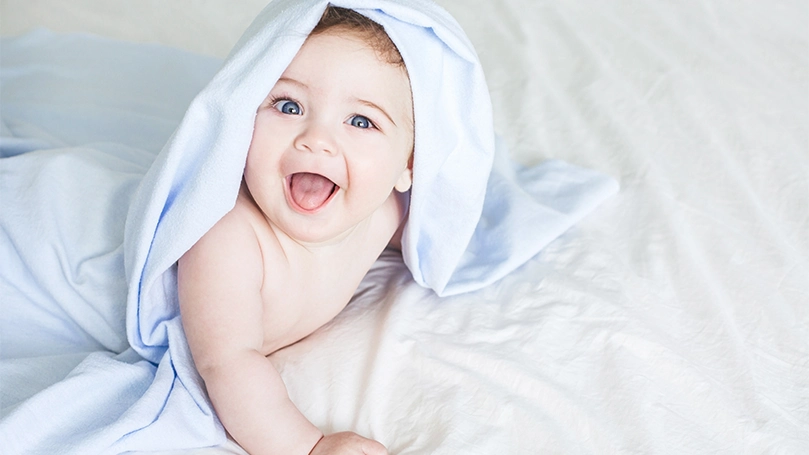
[{"x": 195, "y": 25}]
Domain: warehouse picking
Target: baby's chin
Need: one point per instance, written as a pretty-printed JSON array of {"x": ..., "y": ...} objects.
[{"x": 333, "y": 225}]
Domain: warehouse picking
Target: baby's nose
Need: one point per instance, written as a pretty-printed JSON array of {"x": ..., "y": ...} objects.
[{"x": 316, "y": 138}]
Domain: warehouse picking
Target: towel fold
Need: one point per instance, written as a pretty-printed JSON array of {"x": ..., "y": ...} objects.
[{"x": 474, "y": 216}]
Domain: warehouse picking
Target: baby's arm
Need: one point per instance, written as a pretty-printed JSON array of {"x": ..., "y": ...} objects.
[{"x": 219, "y": 283}]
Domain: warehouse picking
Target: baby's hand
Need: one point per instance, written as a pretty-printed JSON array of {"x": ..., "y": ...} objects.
[{"x": 347, "y": 443}]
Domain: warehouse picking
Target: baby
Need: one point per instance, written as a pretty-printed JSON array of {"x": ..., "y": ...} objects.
[{"x": 321, "y": 198}]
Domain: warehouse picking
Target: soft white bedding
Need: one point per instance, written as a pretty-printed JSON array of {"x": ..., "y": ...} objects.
[{"x": 675, "y": 319}]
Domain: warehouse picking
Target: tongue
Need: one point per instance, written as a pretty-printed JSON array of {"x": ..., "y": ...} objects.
[{"x": 310, "y": 191}]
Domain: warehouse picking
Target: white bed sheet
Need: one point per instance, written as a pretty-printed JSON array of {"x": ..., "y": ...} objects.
[{"x": 675, "y": 319}]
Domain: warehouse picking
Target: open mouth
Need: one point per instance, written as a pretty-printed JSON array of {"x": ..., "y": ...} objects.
[{"x": 310, "y": 192}]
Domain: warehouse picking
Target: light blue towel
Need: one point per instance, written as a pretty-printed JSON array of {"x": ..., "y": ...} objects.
[
  {"x": 81, "y": 120},
  {"x": 474, "y": 217}
]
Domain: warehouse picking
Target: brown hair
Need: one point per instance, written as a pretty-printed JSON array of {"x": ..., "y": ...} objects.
[{"x": 349, "y": 20}]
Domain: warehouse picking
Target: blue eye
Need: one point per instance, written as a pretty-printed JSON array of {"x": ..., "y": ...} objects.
[
  {"x": 360, "y": 121},
  {"x": 288, "y": 107}
]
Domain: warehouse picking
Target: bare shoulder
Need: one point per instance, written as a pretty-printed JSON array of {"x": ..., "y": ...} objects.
[
  {"x": 219, "y": 285},
  {"x": 230, "y": 247}
]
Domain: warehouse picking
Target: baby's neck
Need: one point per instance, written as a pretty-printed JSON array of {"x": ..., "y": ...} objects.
[{"x": 333, "y": 245}]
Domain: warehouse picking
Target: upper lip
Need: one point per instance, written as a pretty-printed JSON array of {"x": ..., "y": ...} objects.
[{"x": 301, "y": 168}]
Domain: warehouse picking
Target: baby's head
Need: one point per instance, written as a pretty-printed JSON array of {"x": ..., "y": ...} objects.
[
  {"x": 334, "y": 137},
  {"x": 349, "y": 21}
]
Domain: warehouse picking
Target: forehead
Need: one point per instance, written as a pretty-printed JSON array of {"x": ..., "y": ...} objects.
[
  {"x": 343, "y": 60},
  {"x": 375, "y": 40}
]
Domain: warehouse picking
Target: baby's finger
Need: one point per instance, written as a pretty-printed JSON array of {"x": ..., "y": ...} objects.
[{"x": 371, "y": 447}]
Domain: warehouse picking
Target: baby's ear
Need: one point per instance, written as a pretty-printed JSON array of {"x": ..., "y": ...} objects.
[{"x": 406, "y": 179}]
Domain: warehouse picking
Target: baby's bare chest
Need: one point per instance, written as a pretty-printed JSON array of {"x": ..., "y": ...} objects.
[{"x": 307, "y": 294}]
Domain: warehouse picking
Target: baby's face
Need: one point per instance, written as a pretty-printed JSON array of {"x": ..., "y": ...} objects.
[{"x": 332, "y": 139}]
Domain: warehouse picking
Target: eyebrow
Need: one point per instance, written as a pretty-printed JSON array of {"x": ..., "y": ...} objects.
[
  {"x": 292, "y": 81},
  {"x": 377, "y": 107}
]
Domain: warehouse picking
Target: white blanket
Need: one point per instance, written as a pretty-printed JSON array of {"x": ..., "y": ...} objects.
[{"x": 672, "y": 320}]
